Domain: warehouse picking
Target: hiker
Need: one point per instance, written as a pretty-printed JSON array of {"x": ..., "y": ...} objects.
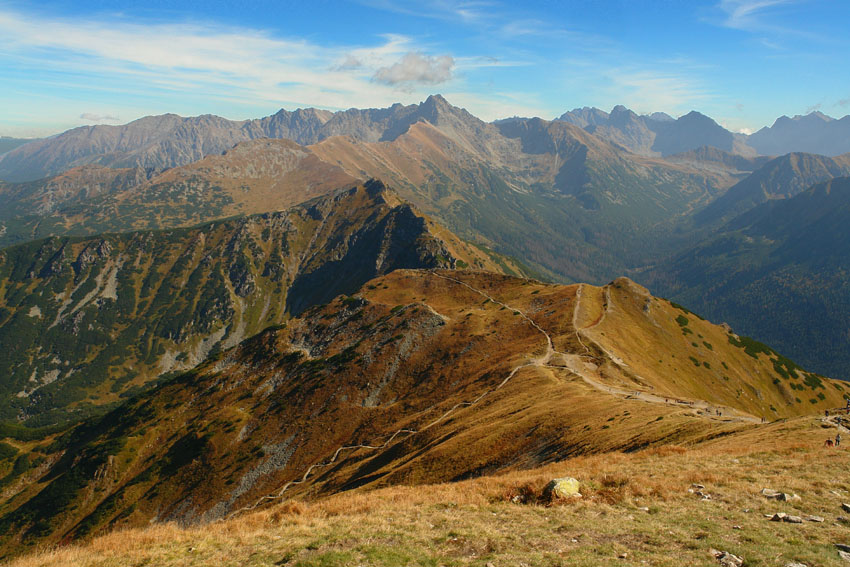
[{"x": 837, "y": 439}]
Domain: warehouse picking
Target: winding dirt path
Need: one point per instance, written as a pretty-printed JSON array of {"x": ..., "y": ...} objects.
[{"x": 577, "y": 364}]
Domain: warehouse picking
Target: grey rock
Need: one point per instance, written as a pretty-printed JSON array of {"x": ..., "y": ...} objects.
[{"x": 727, "y": 559}]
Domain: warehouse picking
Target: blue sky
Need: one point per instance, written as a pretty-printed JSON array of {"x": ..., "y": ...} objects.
[{"x": 742, "y": 62}]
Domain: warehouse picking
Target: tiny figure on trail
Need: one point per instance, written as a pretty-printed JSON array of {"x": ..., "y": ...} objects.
[
  {"x": 763, "y": 419},
  {"x": 826, "y": 413},
  {"x": 837, "y": 439},
  {"x": 828, "y": 443}
]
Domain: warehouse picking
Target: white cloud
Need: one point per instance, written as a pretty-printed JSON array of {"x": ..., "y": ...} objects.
[
  {"x": 417, "y": 69},
  {"x": 92, "y": 117}
]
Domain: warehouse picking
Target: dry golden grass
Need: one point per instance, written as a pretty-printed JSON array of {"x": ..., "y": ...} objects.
[{"x": 636, "y": 504}]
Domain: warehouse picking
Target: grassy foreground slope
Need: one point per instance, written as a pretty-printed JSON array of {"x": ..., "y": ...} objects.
[
  {"x": 420, "y": 377},
  {"x": 637, "y": 508}
]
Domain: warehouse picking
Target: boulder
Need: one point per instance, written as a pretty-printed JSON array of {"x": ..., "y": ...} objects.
[
  {"x": 727, "y": 559},
  {"x": 775, "y": 495},
  {"x": 561, "y": 488}
]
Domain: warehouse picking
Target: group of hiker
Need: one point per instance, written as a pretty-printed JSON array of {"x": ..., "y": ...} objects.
[{"x": 839, "y": 421}]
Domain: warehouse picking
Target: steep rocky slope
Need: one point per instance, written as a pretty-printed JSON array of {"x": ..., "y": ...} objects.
[
  {"x": 779, "y": 178},
  {"x": 84, "y": 319},
  {"x": 420, "y": 376},
  {"x": 778, "y": 272}
]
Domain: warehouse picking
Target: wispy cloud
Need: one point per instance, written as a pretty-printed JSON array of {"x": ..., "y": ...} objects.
[
  {"x": 92, "y": 117},
  {"x": 746, "y": 14},
  {"x": 649, "y": 90},
  {"x": 236, "y": 64},
  {"x": 465, "y": 11}
]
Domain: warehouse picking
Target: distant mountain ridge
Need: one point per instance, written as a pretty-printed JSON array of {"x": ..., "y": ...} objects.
[
  {"x": 155, "y": 143},
  {"x": 780, "y": 178},
  {"x": 660, "y": 134},
  {"x": 814, "y": 133},
  {"x": 656, "y": 134}
]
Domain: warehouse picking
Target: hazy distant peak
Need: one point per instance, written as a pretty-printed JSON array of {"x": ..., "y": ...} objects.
[
  {"x": 585, "y": 116},
  {"x": 660, "y": 117}
]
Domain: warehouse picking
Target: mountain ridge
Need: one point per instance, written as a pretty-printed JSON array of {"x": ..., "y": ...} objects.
[
  {"x": 390, "y": 385},
  {"x": 118, "y": 310},
  {"x": 155, "y": 143}
]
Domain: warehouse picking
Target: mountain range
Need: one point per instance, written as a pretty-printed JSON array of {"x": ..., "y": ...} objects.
[
  {"x": 660, "y": 134},
  {"x": 155, "y": 143},
  {"x": 573, "y": 205}
]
